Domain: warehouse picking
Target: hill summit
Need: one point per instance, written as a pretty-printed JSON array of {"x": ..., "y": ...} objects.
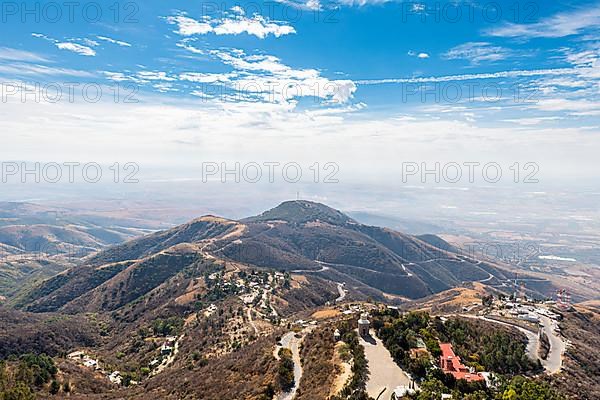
[
  {"x": 300, "y": 237},
  {"x": 301, "y": 212}
]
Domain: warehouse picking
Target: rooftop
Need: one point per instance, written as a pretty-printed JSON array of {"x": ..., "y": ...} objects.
[{"x": 451, "y": 364}]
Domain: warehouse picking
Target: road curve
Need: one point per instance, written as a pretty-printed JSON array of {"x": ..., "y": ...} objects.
[
  {"x": 533, "y": 341},
  {"x": 341, "y": 291},
  {"x": 290, "y": 341},
  {"x": 553, "y": 362}
]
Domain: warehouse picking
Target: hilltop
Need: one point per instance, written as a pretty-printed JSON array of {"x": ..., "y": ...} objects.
[
  {"x": 301, "y": 212},
  {"x": 297, "y": 236}
]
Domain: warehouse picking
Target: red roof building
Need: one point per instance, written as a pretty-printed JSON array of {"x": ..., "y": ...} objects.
[{"x": 450, "y": 363}]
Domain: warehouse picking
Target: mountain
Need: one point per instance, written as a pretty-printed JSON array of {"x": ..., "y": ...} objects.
[
  {"x": 200, "y": 310},
  {"x": 38, "y": 242},
  {"x": 300, "y": 237},
  {"x": 301, "y": 212}
]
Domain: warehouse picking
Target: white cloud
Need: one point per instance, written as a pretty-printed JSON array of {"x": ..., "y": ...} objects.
[
  {"x": 267, "y": 76},
  {"x": 41, "y": 36},
  {"x": 200, "y": 77},
  {"x": 257, "y": 26},
  {"x": 533, "y": 121},
  {"x": 188, "y": 26},
  {"x": 7, "y": 53},
  {"x": 70, "y": 46},
  {"x": 91, "y": 43},
  {"x": 477, "y": 52},
  {"x": 19, "y": 69},
  {"x": 76, "y": 48},
  {"x": 238, "y": 10},
  {"x": 164, "y": 87},
  {"x": 559, "y": 25},
  {"x": 234, "y": 23},
  {"x": 17, "y": 63},
  {"x": 254, "y": 78},
  {"x": 562, "y": 104},
  {"x": 239, "y": 60},
  {"x": 418, "y": 7},
  {"x": 361, "y": 3},
  {"x": 421, "y": 55},
  {"x": 312, "y": 5},
  {"x": 154, "y": 76},
  {"x": 467, "y": 77},
  {"x": 116, "y": 76},
  {"x": 167, "y": 130},
  {"x": 114, "y": 41},
  {"x": 184, "y": 45},
  {"x": 585, "y": 58}
]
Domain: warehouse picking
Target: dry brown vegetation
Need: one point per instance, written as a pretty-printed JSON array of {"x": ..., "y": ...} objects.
[
  {"x": 326, "y": 313},
  {"x": 81, "y": 380},
  {"x": 580, "y": 377},
  {"x": 454, "y": 299},
  {"x": 313, "y": 292},
  {"x": 248, "y": 373},
  {"x": 52, "y": 334},
  {"x": 317, "y": 355}
]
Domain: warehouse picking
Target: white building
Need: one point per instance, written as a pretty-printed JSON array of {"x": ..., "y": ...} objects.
[
  {"x": 363, "y": 325},
  {"x": 115, "y": 377}
]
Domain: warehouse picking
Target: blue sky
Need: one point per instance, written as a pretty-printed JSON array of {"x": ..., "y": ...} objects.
[{"x": 340, "y": 80}]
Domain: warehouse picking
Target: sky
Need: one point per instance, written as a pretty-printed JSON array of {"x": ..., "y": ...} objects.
[{"x": 368, "y": 85}]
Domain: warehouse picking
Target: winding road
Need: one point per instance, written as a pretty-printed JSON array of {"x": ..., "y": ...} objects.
[
  {"x": 341, "y": 291},
  {"x": 553, "y": 363},
  {"x": 533, "y": 341},
  {"x": 290, "y": 341}
]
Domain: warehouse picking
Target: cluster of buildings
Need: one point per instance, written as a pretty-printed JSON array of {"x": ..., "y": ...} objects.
[
  {"x": 116, "y": 378},
  {"x": 210, "y": 310},
  {"x": 84, "y": 359},
  {"x": 529, "y": 312},
  {"x": 253, "y": 288},
  {"x": 168, "y": 345},
  {"x": 450, "y": 363},
  {"x": 89, "y": 362},
  {"x": 305, "y": 324}
]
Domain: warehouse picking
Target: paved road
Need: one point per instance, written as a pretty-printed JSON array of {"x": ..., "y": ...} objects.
[
  {"x": 406, "y": 270},
  {"x": 553, "y": 362},
  {"x": 341, "y": 291},
  {"x": 290, "y": 341},
  {"x": 305, "y": 271},
  {"x": 489, "y": 278},
  {"x": 385, "y": 375},
  {"x": 533, "y": 342}
]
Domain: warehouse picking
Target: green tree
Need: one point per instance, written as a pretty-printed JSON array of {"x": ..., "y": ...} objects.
[
  {"x": 432, "y": 389},
  {"x": 20, "y": 391},
  {"x": 54, "y": 387},
  {"x": 286, "y": 370},
  {"x": 509, "y": 394}
]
